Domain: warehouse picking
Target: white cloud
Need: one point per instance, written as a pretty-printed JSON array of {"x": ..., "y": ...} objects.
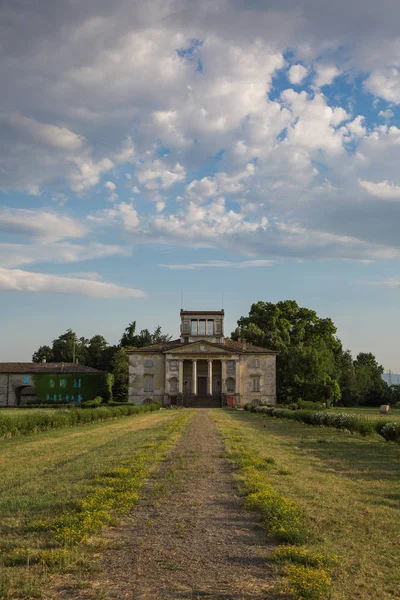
[
  {"x": 25, "y": 281},
  {"x": 385, "y": 83},
  {"x": 43, "y": 225},
  {"x": 382, "y": 189},
  {"x": 110, "y": 185},
  {"x": 357, "y": 127},
  {"x": 297, "y": 73},
  {"x": 16, "y": 255},
  {"x": 221, "y": 264},
  {"x": 157, "y": 175},
  {"x": 325, "y": 74},
  {"x": 387, "y": 114}
]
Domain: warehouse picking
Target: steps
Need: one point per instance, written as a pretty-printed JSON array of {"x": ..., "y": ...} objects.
[{"x": 202, "y": 402}]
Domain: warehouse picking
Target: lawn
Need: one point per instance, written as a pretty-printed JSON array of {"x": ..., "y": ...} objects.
[
  {"x": 50, "y": 478},
  {"x": 348, "y": 488}
]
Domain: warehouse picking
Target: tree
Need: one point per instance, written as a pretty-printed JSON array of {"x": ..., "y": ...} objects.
[
  {"x": 370, "y": 387},
  {"x": 306, "y": 344},
  {"x": 95, "y": 350},
  {"x": 41, "y": 353},
  {"x": 121, "y": 375},
  {"x": 128, "y": 337}
]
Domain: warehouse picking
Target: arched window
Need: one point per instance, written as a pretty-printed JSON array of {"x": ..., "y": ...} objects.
[
  {"x": 173, "y": 385},
  {"x": 230, "y": 385}
]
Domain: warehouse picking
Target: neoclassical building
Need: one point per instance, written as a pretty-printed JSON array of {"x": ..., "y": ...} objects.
[{"x": 202, "y": 367}]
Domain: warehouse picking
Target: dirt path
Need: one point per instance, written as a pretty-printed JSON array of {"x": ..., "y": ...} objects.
[{"x": 190, "y": 537}]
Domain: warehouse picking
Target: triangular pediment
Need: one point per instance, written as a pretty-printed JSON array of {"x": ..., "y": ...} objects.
[{"x": 200, "y": 347}]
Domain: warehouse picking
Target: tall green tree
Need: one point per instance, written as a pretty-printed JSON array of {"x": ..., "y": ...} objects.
[
  {"x": 306, "y": 343},
  {"x": 121, "y": 375},
  {"x": 95, "y": 350}
]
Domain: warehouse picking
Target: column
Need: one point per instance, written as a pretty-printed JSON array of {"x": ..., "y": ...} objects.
[
  {"x": 180, "y": 377},
  {"x": 209, "y": 380},
  {"x": 223, "y": 376},
  {"x": 194, "y": 376}
]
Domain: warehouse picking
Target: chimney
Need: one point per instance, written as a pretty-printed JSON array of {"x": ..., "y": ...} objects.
[{"x": 43, "y": 360}]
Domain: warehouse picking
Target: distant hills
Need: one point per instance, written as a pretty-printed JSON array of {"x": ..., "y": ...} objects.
[{"x": 395, "y": 378}]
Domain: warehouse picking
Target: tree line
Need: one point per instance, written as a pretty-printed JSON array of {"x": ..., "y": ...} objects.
[
  {"x": 312, "y": 364},
  {"x": 96, "y": 352}
]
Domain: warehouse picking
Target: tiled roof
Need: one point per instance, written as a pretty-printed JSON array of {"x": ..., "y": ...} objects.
[
  {"x": 28, "y": 367},
  {"x": 243, "y": 347}
]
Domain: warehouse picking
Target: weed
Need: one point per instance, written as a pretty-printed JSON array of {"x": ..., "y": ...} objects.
[{"x": 309, "y": 584}]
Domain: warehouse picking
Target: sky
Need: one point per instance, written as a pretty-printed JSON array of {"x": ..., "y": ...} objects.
[{"x": 226, "y": 151}]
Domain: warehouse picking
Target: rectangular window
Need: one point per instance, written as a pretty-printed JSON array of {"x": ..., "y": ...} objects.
[
  {"x": 63, "y": 383},
  {"x": 47, "y": 396},
  {"x": 230, "y": 385},
  {"x": 186, "y": 326},
  {"x": 173, "y": 365},
  {"x": 256, "y": 384},
  {"x": 51, "y": 383},
  {"x": 79, "y": 398},
  {"x": 55, "y": 397},
  {"x": 202, "y": 327},
  {"x": 79, "y": 382},
  {"x": 210, "y": 327},
  {"x": 256, "y": 363},
  {"x": 173, "y": 385},
  {"x": 194, "y": 327},
  {"x": 148, "y": 383},
  {"x": 74, "y": 382},
  {"x": 230, "y": 365},
  {"x": 218, "y": 327},
  {"x": 148, "y": 362},
  {"x": 26, "y": 379}
]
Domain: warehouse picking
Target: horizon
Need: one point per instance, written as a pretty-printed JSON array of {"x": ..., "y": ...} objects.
[{"x": 156, "y": 150}]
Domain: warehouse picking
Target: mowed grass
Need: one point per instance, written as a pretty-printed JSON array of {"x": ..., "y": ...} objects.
[
  {"x": 45, "y": 476},
  {"x": 348, "y": 488}
]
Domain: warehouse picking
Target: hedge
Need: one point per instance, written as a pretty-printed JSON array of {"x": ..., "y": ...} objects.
[
  {"x": 59, "y": 419},
  {"x": 389, "y": 430}
]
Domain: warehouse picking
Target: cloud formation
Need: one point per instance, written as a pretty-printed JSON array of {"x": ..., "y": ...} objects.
[
  {"x": 228, "y": 123},
  {"x": 17, "y": 280}
]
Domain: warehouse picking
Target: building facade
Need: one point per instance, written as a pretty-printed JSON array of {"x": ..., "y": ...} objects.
[
  {"x": 202, "y": 367},
  {"x": 30, "y": 383}
]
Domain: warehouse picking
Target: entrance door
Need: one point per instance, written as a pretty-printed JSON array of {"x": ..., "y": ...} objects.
[{"x": 202, "y": 386}]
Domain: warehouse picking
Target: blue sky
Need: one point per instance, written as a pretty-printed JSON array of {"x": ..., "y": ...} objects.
[{"x": 155, "y": 149}]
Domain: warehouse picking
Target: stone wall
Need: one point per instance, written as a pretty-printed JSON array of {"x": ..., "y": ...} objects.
[
  {"x": 9, "y": 383},
  {"x": 137, "y": 373},
  {"x": 267, "y": 374}
]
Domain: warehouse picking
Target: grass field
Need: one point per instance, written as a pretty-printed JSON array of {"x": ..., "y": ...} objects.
[
  {"x": 49, "y": 478},
  {"x": 367, "y": 411},
  {"x": 347, "y": 487}
]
